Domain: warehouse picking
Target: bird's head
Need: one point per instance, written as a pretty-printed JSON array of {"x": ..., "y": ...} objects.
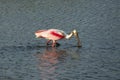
[{"x": 75, "y": 32}]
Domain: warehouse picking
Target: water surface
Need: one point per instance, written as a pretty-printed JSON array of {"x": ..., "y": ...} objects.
[{"x": 23, "y": 57}]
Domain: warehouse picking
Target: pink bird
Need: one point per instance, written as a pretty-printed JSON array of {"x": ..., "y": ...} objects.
[{"x": 54, "y": 35}]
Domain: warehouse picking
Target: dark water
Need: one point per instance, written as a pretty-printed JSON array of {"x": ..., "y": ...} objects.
[{"x": 23, "y": 57}]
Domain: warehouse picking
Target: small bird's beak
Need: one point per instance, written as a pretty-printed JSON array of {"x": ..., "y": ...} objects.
[{"x": 77, "y": 37}]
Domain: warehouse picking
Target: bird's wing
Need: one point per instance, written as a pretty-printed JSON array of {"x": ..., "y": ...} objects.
[{"x": 55, "y": 34}]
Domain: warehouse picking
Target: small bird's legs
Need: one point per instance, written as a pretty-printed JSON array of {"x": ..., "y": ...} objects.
[
  {"x": 53, "y": 43},
  {"x": 48, "y": 42}
]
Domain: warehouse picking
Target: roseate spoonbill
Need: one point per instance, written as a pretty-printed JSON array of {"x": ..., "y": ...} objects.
[{"x": 56, "y": 34}]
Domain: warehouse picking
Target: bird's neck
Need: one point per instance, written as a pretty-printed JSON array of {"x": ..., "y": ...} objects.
[
  {"x": 68, "y": 36},
  {"x": 74, "y": 32}
]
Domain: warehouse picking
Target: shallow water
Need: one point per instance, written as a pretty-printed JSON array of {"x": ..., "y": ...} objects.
[{"x": 23, "y": 57}]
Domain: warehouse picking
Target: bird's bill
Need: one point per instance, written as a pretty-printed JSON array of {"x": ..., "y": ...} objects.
[{"x": 77, "y": 37}]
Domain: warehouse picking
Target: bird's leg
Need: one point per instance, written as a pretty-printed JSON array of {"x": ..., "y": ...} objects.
[
  {"x": 48, "y": 42},
  {"x": 54, "y": 43}
]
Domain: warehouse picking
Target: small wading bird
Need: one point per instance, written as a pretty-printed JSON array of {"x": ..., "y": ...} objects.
[{"x": 55, "y": 34}]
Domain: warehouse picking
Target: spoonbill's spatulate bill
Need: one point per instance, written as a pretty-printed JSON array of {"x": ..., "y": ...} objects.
[
  {"x": 56, "y": 34},
  {"x": 77, "y": 37}
]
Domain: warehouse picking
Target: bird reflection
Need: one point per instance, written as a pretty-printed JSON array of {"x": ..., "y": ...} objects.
[{"x": 49, "y": 61}]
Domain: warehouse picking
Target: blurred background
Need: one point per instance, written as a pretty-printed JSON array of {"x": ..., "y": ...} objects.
[
  {"x": 98, "y": 24},
  {"x": 94, "y": 19}
]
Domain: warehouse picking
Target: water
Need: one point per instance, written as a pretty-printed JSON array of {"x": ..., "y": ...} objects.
[{"x": 23, "y": 57}]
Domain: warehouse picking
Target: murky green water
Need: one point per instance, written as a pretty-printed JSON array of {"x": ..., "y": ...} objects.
[{"x": 23, "y": 57}]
